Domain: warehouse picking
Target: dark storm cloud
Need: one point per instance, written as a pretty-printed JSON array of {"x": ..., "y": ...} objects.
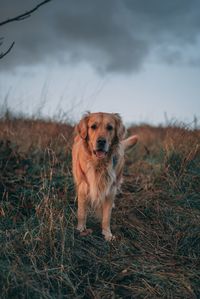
[{"x": 113, "y": 35}]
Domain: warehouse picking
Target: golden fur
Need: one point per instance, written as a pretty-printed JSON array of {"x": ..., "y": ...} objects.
[{"x": 98, "y": 160}]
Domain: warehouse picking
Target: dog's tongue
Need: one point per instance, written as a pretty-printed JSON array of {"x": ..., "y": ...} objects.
[{"x": 100, "y": 154}]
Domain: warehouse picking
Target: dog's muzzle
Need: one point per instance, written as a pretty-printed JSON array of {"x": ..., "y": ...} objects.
[{"x": 101, "y": 148}]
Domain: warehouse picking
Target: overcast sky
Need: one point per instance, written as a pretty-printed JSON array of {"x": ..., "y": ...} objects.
[{"x": 139, "y": 58}]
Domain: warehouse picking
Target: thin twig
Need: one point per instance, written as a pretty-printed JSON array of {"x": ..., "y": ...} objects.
[
  {"x": 7, "y": 51},
  {"x": 20, "y": 17},
  {"x": 24, "y": 15}
]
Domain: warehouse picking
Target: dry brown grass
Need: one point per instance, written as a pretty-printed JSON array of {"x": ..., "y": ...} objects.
[{"x": 156, "y": 220}]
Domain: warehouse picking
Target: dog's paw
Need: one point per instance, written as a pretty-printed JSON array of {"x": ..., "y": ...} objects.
[
  {"x": 81, "y": 227},
  {"x": 83, "y": 230},
  {"x": 108, "y": 236}
]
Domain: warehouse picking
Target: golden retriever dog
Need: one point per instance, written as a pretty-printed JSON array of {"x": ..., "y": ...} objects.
[{"x": 98, "y": 160}]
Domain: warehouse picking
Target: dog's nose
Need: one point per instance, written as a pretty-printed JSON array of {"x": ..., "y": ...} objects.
[{"x": 101, "y": 142}]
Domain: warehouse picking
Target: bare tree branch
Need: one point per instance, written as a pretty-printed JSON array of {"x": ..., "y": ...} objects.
[
  {"x": 24, "y": 15},
  {"x": 7, "y": 51},
  {"x": 20, "y": 17}
]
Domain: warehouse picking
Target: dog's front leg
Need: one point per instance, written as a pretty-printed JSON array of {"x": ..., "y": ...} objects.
[
  {"x": 82, "y": 214},
  {"x": 107, "y": 209},
  {"x": 82, "y": 206},
  {"x": 82, "y": 210}
]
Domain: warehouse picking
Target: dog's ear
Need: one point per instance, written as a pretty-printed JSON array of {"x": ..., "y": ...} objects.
[
  {"x": 82, "y": 127},
  {"x": 120, "y": 128}
]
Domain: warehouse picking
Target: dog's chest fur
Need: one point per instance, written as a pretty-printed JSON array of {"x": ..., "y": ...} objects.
[{"x": 101, "y": 178}]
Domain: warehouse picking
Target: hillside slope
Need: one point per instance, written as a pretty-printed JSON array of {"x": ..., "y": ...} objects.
[{"x": 156, "y": 219}]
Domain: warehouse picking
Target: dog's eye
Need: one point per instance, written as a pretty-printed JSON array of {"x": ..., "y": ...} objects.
[
  {"x": 109, "y": 127},
  {"x": 93, "y": 127}
]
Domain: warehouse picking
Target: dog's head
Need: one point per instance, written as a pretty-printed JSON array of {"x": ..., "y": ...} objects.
[{"x": 101, "y": 131}]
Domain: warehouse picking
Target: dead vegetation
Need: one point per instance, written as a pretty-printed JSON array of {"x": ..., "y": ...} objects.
[{"x": 156, "y": 219}]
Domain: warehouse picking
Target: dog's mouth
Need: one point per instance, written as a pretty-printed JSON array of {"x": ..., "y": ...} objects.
[{"x": 100, "y": 154}]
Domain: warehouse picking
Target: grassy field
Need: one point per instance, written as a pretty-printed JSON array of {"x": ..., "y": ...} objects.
[{"x": 156, "y": 219}]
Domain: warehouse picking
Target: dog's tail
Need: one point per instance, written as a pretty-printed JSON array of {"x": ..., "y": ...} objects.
[{"x": 130, "y": 141}]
